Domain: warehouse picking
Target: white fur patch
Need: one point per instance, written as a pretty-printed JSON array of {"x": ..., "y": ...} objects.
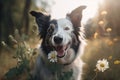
[{"x": 64, "y": 31}]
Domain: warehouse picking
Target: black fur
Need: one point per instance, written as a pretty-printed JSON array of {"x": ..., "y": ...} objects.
[{"x": 42, "y": 21}]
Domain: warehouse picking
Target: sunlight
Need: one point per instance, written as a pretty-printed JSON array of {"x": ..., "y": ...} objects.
[
  {"x": 62, "y": 7},
  {"x": 91, "y": 10},
  {"x": 59, "y": 8}
]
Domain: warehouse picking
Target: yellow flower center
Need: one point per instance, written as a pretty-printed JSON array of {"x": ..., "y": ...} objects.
[
  {"x": 102, "y": 65},
  {"x": 53, "y": 56}
]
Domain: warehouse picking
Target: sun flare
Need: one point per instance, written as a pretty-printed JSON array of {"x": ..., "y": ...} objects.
[{"x": 62, "y": 7}]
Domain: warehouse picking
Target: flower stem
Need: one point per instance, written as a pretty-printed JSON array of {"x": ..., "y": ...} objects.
[{"x": 95, "y": 76}]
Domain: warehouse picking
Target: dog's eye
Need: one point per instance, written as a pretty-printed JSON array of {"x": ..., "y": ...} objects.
[
  {"x": 66, "y": 28},
  {"x": 52, "y": 26}
]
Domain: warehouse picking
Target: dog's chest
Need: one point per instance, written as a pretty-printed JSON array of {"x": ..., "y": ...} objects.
[{"x": 57, "y": 72}]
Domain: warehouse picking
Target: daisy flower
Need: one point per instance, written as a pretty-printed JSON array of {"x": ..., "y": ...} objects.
[
  {"x": 52, "y": 56},
  {"x": 102, "y": 65}
]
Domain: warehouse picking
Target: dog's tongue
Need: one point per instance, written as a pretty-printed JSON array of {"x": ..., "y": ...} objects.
[{"x": 60, "y": 51}]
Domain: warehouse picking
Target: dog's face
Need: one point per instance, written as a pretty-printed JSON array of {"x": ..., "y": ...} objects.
[
  {"x": 61, "y": 32},
  {"x": 60, "y": 35}
]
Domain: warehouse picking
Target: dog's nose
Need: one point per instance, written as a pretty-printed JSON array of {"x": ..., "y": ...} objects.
[{"x": 58, "y": 40}]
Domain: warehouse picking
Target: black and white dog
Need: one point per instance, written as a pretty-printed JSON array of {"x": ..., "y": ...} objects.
[{"x": 62, "y": 37}]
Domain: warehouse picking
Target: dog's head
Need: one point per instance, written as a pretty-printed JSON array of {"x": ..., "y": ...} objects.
[{"x": 61, "y": 34}]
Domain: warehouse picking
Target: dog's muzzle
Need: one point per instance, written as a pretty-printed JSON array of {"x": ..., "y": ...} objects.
[{"x": 59, "y": 47}]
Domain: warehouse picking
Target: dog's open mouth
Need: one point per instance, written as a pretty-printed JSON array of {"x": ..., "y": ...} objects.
[{"x": 61, "y": 50}]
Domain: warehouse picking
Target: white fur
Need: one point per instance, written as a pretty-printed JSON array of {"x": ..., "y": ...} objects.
[{"x": 61, "y": 32}]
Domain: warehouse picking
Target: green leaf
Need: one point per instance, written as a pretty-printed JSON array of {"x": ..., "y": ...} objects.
[
  {"x": 11, "y": 73},
  {"x": 65, "y": 75}
]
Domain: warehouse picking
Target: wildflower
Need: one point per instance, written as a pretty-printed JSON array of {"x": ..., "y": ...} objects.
[
  {"x": 102, "y": 65},
  {"x": 19, "y": 60},
  {"x": 110, "y": 57},
  {"x": 52, "y": 56},
  {"x": 101, "y": 22},
  {"x": 109, "y": 29},
  {"x": 117, "y": 62},
  {"x": 96, "y": 35},
  {"x": 28, "y": 50},
  {"x": 13, "y": 40},
  {"x": 3, "y": 43},
  {"x": 103, "y": 12},
  {"x": 115, "y": 39}
]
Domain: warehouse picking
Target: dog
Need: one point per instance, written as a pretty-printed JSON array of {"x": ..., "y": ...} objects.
[{"x": 63, "y": 37}]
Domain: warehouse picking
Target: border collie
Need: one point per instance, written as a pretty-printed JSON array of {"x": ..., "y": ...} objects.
[{"x": 60, "y": 36}]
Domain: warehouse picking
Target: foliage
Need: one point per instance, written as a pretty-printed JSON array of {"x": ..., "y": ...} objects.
[
  {"x": 23, "y": 55},
  {"x": 65, "y": 75}
]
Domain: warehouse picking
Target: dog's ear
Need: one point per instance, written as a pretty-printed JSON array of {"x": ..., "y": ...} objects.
[
  {"x": 42, "y": 21},
  {"x": 76, "y": 16}
]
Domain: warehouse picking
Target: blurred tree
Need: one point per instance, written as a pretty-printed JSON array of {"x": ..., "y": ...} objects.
[
  {"x": 109, "y": 18},
  {"x": 107, "y": 21},
  {"x": 6, "y": 18},
  {"x": 10, "y": 17},
  {"x": 15, "y": 14},
  {"x": 25, "y": 17},
  {"x": 90, "y": 29}
]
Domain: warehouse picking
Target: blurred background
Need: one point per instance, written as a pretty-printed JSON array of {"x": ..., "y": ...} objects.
[{"x": 19, "y": 38}]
